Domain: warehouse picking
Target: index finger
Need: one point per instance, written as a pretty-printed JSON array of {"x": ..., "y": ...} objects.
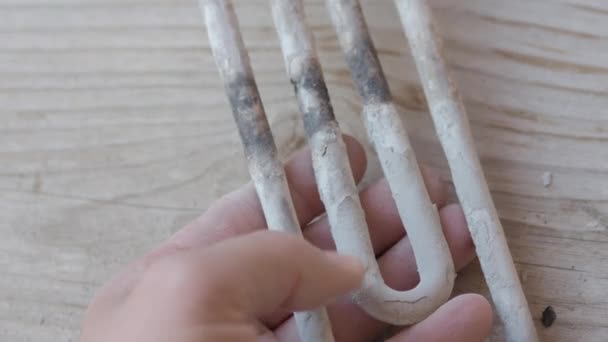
[
  {"x": 263, "y": 272},
  {"x": 238, "y": 280},
  {"x": 235, "y": 214}
]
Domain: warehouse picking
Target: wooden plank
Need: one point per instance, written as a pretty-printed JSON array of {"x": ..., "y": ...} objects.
[{"x": 110, "y": 110}]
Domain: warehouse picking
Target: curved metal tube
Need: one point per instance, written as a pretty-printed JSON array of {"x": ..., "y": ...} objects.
[
  {"x": 265, "y": 168},
  {"x": 334, "y": 177},
  {"x": 452, "y": 126},
  {"x": 388, "y": 135}
]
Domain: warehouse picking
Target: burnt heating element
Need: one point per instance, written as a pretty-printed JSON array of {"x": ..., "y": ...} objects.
[{"x": 386, "y": 130}]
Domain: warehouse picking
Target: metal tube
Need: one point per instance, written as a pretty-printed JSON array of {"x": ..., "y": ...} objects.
[
  {"x": 266, "y": 170},
  {"x": 388, "y": 135},
  {"x": 452, "y": 125},
  {"x": 336, "y": 184}
]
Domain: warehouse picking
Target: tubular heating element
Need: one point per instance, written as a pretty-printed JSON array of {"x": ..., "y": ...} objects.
[{"x": 386, "y": 130}]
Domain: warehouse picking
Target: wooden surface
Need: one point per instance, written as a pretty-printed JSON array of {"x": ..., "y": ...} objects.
[{"x": 115, "y": 131}]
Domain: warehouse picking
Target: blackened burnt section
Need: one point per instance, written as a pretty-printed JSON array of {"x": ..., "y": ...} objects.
[
  {"x": 367, "y": 72},
  {"x": 249, "y": 115},
  {"x": 311, "y": 83}
]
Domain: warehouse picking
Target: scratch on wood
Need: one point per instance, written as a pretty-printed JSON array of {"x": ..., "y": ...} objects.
[
  {"x": 548, "y": 63},
  {"x": 523, "y": 24},
  {"x": 590, "y": 9}
]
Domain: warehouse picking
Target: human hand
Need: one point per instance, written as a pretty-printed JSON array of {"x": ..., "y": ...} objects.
[{"x": 224, "y": 277}]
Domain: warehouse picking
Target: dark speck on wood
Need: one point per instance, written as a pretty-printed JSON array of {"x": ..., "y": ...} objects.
[{"x": 548, "y": 317}]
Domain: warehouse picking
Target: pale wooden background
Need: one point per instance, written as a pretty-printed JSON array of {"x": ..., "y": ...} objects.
[{"x": 115, "y": 131}]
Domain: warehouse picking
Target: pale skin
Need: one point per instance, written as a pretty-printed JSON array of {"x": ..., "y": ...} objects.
[{"x": 224, "y": 277}]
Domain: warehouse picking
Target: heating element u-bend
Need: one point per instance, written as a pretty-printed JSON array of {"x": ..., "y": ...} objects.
[
  {"x": 334, "y": 177},
  {"x": 387, "y": 133}
]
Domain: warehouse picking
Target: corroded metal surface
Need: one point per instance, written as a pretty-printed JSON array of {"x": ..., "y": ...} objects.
[{"x": 265, "y": 168}]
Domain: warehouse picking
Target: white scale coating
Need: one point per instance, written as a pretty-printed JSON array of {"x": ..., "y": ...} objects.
[
  {"x": 266, "y": 170},
  {"x": 456, "y": 139},
  {"x": 339, "y": 193},
  {"x": 337, "y": 186}
]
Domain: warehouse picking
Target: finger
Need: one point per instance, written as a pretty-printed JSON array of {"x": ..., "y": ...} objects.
[
  {"x": 466, "y": 318},
  {"x": 237, "y": 213},
  {"x": 381, "y": 214},
  {"x": 250, "y": 275},
  {"x": 240, "y": 212},
  {"x": 382, "y": 217},
  {"x": 398, "y": 267}
]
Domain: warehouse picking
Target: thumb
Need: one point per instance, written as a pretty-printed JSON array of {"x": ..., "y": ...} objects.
[{"x": 261, "y": 273}]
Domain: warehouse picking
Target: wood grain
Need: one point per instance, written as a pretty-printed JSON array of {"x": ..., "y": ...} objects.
[{"x": 115, "y": 132}]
